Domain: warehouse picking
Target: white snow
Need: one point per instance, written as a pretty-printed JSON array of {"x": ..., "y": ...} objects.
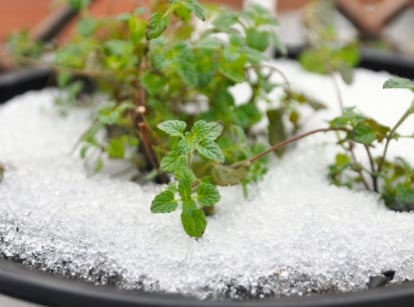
[{"x": 298, "y": 233}]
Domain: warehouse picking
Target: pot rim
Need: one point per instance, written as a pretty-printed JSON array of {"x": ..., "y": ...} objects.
[{"x": 25, "y": 283}]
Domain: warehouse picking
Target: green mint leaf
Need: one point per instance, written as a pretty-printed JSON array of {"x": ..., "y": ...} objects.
[
  {"x": 196, "y": 8},
  {"x": 207, "y": 130},
  {"x": 116, "y": 148},
  {"x": 226, "y": 175},
  {"x": 164, "y": 203},
  {"x": 210, "y": 150},
  {"x": 194, "y": 222},
  {"x": 186, "y": 66},
  {"x": 157, "y": 25},
  {"x": 154, "y": 84},
  {"x": 399, "y": 83},
  {"x": 173, "y": 161},
  {"x": 364, "y": 134},
  {"x": 137, "y": 29},
  {"x": 257, "y": 39},
  {"x": 172, "y": 127},
  {"x": 185, "y": 189},
  {"x": 207, "y": 194},
  {"x": 185, "y": 174},
  {"x": 405, "y": 194},
  {"x": 234, "y": 69}
]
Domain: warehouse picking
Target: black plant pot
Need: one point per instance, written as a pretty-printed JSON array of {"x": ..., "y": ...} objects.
[{"x": 42, "y": 288}]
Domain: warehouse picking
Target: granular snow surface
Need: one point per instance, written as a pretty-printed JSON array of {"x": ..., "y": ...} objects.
[{"x": 297, "y": 234}]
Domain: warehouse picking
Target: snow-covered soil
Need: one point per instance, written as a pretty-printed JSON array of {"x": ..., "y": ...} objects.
[{"x": 297, "y": 234}]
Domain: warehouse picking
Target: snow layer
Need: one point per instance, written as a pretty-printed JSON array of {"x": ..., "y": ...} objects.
[{"x": 298, "y": 234}]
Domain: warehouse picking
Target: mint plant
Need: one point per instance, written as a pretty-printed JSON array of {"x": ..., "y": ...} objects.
[
  {"x": 392, "y": 179},
  {"x": 196, "y": 196},
  {"x": 170, "y": 113}
]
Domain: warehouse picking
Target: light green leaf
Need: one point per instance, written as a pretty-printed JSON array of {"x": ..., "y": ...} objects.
[
  {"x": 172, "y": 127},
  {"x": 210, "y": 150},
  {"x": 115, "y": 148},
  {"x": 194, "y": 222},
  {"x": 257, "y": 39},
  {"x": 206, "y": 130},
  {"x": 226, "y": 175},
  {"x": 137, "y": 29},
  {"x": 185, "y": 174},
  {"x": 207, "y": 194},
  {"x": 164, "y": 203},
  {"x": 173, "y": 161}
]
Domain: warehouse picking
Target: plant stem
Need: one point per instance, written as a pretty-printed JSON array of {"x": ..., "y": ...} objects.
[
  {"x": 373, "y": 173},
  {"x": 390, "y": 137},
  {"x": 291, "y": 140}
]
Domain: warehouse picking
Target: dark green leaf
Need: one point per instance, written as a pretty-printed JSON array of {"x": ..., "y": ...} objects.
[
  {"x": 153, "y": 83},
  {"x": 276, "y": 128},
  {"x": 172, "y": 127},
  {"x": 246, "y": 115},
  {"x": 186, "y": 66},
  {"x": 194, "y": 222},
  {"x": 364, "y": 134},
  {"x": 207, "y": 194},
  {"x": 399, "y": 83},
  {"x": 164, "y": 203},
  {"x": 405, "y": 194}
]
